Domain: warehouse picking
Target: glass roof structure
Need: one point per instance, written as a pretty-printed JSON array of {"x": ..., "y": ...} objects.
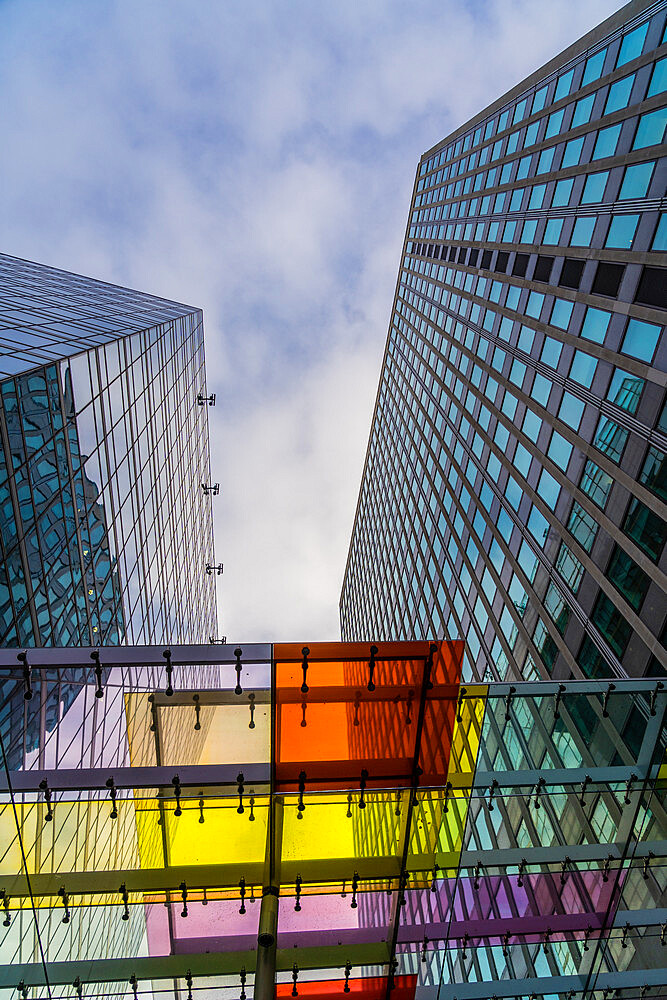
[{"x": 327, "y": 818}]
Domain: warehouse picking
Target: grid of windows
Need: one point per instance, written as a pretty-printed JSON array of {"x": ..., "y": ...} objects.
[{"x": 517, "y": 419}]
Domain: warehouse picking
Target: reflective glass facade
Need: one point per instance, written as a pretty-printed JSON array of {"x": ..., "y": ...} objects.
[
  {"x": 514, "y": 488},
  {"x": 376, "y": 823},
  {"x": 105, "y": 527}
]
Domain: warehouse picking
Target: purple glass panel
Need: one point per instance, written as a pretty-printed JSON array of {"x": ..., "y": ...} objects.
[{"x": 500, "y": 906}]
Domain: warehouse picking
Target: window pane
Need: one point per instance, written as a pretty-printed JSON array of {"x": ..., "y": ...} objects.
[
  {"x": 612, "y": 625},
  {"x": 632, "y": 45},
  {"x": 562, "y": 192},
  {"x": 582, "y": 233},
  {"x": 563, "y": 85},
  {"x": 594, "y": 187},
  {"x": 569, "y": 568},
  {"x": 557, "y": 608},
  {"x": 571, "y": 410},
  {"x": 594, "y": 66},
  {"x": 591, "y": 661},
  {"x": 559, "y": 450},
  {"x": 583, "y": 368},
  {"x": 625, "y": 390},
  {"x": 660, "y": 238},
  {"x": 582, "y": 526},
  {"x": 640, "y": 340},
  {"x": 572, "y": 152},
  {"x": 654, "y": 472},
  {"x": 610, "y": 439},
  {"x": 595, "y": 325},
  {"x": 651, "y": 129},
  {"x": 658, "y": 79},
  {"x": 627, "y": 577},
  {"x": 622, "y": 231},
  {"x": 596, "y": 483},
  {"x": 619, "y": 94},
  {"x": 552, "y": 231},
  {"x": 605, "y": 144},
  {"x": 637, "y": 179},
  {"x": 582, "y": 110},
  {"x": 646, "y": 529}
]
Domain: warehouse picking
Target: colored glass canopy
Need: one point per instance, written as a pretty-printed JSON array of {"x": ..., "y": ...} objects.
[{"x": 419, "y": 835}]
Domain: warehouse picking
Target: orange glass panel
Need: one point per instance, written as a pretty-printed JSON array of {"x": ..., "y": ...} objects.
[{"x": 331, "y": 725}]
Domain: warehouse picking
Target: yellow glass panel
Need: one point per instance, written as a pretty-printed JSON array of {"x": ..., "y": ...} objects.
[
  {"x": 436, "y": 830},
  {"x": 224, "y": 837},
  {"x": 467, "y": 734},
  {"x": 333, "y": 827}
]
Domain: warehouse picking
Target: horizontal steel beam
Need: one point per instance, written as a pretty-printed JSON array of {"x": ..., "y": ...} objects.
[
  {"x": 176, "y": 966},
  {"x": 565, "y": 776},
  {"x": 95, "y": 779}
]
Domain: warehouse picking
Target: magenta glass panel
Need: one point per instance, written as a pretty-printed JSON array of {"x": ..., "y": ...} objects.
[
  {"x": 215, "y": 926},
  {"x": 328, "y": 919}
]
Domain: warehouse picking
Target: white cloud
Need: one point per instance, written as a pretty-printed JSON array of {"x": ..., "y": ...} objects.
[{"x": 257, "y": 160}]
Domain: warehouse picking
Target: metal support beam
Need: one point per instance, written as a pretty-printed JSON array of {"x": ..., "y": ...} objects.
[
  {"x": 95, "y": 779},
  {"x": 219, "y": 963}
]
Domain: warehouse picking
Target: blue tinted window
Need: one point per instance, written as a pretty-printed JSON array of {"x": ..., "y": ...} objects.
[
  {"x": 526, "y": 338},
  {"x": 640, "y": 340},
  {"x": 541, "y": 389},
  {"x": 562, "y": 192},
  {"x": 622, "y": 231},
  {"x": 554, "y": 123},
  {"x": 559, "y": 450},
  {"x": 517, "y": 198},
  {"x": 561, "y": 313},
  {"x": 651, "y": 129},
  {"x": 595, "y": 325},
  {"x": 513, "y": 492},
  {"x": 582, "y": 110},
  {"x": 531, "y": 425},
  {"x": 632, "y": 45},
  {"x": 538, "y": 526},
  {"x": 522, "y": 169},
  {"x": 548, "y": 489},
  {"x": 660, "y": 238},
  {"x": 552, "y": 231},
  {"x": 517, "y": 372},
  {"x": 637, "y": 180},
  {"x": 619, "y": 94},
  {"x": 531, "y": 134},
  {"x": 534, "y": 304},
  {"x": 508, "y": 232},
  {"x": 540, "y": 99},
  {"x": 520, "y": 111},
  {"x": 537, "y": 196},
  {"x": 596, "y": 483},
  {"x": 551, "y": 352},
  {"x": 563, "y": 85},
  {"x": 545, "y": 160},
  {"x": 513, "y": 296},
  {"x": 658, "y": 79},
  {"x": 522, "y": 459},
  {"x": 610, "y": 439},
  {"x": 528, "y": 231},
  {"x": 582, "y": 233},
  {"x": 594, "y": 187},
  {"x": 583, "y": 368},
  {"x": 605, "y": 144},
  {"x": 572, "y": 153},
  {"x": 594, "y": 66},
  {"x": 571, "y": 410},
  {"x": 527, "y": 560}
]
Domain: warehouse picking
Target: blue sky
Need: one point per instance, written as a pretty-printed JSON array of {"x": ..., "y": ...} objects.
[{"x": 256, "y": 159}]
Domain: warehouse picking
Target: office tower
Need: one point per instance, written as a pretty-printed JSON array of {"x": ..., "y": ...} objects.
[
  {"x": 329, "y": 817},
  {"x": 514, "y": 487},
  {"x": 105, "y": 512}
]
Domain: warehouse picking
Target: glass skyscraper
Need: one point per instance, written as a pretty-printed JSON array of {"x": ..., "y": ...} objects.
[
  {"x": 514, "y": 488},
  {"x": 105, "y": 509}
]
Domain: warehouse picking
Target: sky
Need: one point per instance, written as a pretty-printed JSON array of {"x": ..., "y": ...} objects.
[{"x": 256, "y": 158}]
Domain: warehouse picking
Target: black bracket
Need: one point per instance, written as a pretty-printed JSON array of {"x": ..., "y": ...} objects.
[
  {"x": 169, "y": 690},
  {"x": 371, "y": 668},
  {"x": 95, "y": 656},
  {"x": 302, "y": 788},
  {"x": 195, "y": 698},
  {"x": 184, "y": 896},
  {"x": 125, "y": 897},
  {"x": 23, "y": 658},
  {"x": 176, "y": 782},
  {"x": 47, "y": 796},
  {"x": 239, "y": 780},
  {"x": 238, "y": 653},
  {"x": 114, "y": 795}
]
